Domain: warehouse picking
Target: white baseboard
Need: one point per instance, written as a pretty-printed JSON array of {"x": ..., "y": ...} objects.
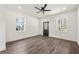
[
  {"x": 66, "y": 39},
  {"x": 21, "y": 38}
]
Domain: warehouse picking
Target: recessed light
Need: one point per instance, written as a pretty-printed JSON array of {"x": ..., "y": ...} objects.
[
  {"x": 19, "y": 7},
  {"x": 64, "y": 8}
]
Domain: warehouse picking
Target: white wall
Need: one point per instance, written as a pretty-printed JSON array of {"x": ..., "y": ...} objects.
[
  {"x": 2, "y": 31},
  {"x": 72, "y": 25},
  {"x": 78, "y": 24},
  {"x": 31, "y": 26}
]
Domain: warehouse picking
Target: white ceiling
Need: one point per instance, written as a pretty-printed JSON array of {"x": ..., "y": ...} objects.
[{"x": 29, "y": 8}]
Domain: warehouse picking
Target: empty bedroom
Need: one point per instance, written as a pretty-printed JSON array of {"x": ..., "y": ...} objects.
[{"x": 39, "y": 29}]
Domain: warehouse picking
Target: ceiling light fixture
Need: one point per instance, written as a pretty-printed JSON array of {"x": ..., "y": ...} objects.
[
  {"x": 64, "y": 8},
  {"x": 19, "y": 7}
]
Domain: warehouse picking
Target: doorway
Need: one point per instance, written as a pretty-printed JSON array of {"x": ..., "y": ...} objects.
[{"x": 46, "y": 28}]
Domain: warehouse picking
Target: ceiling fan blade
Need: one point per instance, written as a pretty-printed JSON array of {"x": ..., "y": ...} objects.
[
  {"x": 38, "y": 12},
  {"x": 45, "y": 6},
  {"x": 43, "y": 12},
  {"x": 37, "y": 8},
  {"x": 47, "y": 10}
]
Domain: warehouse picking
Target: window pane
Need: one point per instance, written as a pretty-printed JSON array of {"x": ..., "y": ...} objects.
[{"x": 19, "y": 24}]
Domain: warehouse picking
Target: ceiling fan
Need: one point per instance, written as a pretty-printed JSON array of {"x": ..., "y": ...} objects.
[{"x": 42, "y": 9}]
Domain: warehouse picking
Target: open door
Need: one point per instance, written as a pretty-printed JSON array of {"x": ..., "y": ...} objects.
[{"x": 46, "y": 28}]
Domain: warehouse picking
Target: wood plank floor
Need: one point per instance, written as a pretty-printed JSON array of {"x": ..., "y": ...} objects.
[{"x": 41, "y": 45}]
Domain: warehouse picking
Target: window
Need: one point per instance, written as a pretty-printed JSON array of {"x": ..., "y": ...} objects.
[
  {"x": 62, "y": 25},
  {"x": 19, "y": 24}
]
